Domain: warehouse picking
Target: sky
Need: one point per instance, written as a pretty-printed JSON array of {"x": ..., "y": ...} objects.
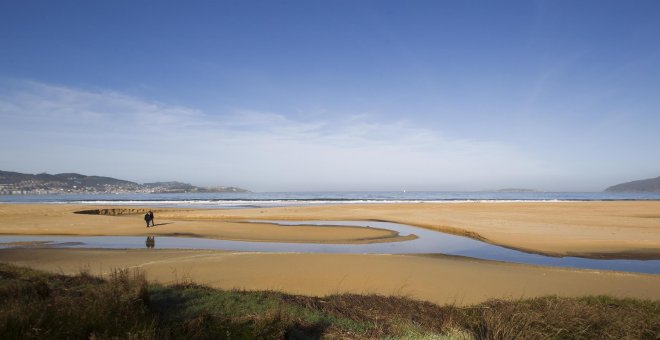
[{"x": 334, "y": 95}]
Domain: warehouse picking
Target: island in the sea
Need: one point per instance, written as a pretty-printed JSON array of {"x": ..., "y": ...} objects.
[
  {"x": 516, "y": 190},
  {"x": 16, "y": 183}
]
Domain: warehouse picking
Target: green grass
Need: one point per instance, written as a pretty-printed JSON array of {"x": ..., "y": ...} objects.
[{"x": 38, "y": 305}]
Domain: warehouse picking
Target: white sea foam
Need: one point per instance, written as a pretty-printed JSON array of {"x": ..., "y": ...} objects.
[{"x": 277, "y": 203}]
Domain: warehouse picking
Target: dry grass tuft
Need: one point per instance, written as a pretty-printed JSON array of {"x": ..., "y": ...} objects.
[{"x": 39, "y": 305}]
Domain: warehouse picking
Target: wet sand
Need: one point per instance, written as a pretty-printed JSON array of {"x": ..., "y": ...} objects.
[{"x": 439, "y": 279}]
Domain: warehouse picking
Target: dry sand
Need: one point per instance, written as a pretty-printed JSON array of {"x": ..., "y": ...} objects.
[{"x": 630, "y": 229}]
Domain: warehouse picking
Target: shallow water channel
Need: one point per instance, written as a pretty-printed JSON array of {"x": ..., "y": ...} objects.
[{"x": 428, "y": 242}]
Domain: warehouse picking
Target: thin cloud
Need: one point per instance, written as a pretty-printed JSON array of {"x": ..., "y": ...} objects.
[{"x": 129, "y": 137}]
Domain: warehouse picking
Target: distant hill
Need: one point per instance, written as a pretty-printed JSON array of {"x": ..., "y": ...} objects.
[
  {"x": 644, "y": 185},
  {"x": 27, "y": 184}
]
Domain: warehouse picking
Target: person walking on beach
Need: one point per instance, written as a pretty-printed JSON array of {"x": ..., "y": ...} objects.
[
  {"x": 151, "y": 218},
  {"x": 147, "y": 218}
]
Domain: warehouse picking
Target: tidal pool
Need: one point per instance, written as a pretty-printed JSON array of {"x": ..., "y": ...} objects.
[{"x": 428, "y": 242}]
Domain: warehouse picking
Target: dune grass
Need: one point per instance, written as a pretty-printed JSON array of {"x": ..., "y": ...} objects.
[{"x": 34, "y": 304}]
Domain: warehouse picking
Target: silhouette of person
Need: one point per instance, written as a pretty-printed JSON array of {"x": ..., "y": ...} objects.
[
  {"x": 151, "y": 242},
  {"x": 147, "y": 218},
  {"x": 151, "y": 218}
]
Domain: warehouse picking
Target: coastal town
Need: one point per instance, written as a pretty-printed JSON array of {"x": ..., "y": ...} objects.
[
  {"x": 14, "y": 183},
  {"x": 53, "y": 188}
]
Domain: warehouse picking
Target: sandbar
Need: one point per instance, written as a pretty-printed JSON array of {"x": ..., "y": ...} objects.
[{"x": 45, "y": 219}]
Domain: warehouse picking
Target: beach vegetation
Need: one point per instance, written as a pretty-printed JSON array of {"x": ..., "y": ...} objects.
[{"x": 35, "y": 304}]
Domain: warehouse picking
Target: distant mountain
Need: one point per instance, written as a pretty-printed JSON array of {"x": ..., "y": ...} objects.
[
  {"x": 13, "y": 183},
  {"x": 644, "y": 185}
]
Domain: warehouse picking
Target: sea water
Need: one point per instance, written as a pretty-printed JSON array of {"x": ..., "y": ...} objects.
[{"x": 278, "y": 199}]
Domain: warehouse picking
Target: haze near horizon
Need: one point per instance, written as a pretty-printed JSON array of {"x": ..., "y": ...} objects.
[{"x": 342, "y": 95}]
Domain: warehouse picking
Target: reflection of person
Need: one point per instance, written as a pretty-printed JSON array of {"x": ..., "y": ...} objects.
[
  {"x": 151, "y": 218},
  {"x": 151, "y": 242},
  {"x": 147, "y": 218}
]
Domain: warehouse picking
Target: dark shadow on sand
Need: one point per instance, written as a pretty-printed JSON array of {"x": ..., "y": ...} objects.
[{"x": 157, "y": 224}]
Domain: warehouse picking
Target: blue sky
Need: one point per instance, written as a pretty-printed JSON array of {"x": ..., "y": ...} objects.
[{"x": 334, "y": 95}]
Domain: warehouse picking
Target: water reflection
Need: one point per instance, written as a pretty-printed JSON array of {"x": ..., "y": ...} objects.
[{"x": 151, "y": 242}]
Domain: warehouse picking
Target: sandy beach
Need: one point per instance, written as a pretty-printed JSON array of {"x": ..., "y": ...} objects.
[
  {"x": 602, "y": 229},
  {"x": 590, "y": 229}
]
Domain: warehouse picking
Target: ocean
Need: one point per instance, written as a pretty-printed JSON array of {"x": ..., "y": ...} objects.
[{"x": 280, "y": 199}]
